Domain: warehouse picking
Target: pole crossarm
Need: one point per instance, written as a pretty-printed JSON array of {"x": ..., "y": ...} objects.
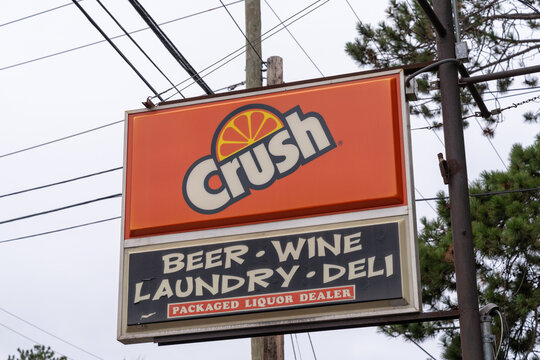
[
  {"x": 499, "y": 75},
  {"x": 437, "y": 24}
]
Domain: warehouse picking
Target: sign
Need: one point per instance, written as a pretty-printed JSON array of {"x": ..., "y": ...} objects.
[
  {"x": 275, "y": 206},
  {"x": 259, "y": 274},
  {"x": 271, "y": 156}
]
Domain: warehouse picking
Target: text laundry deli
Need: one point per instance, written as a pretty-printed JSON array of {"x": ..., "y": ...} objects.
[{"x": 345, "y": 265}]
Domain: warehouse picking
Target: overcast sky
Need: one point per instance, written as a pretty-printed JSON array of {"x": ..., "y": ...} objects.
[{"x": 66, "y": 283}]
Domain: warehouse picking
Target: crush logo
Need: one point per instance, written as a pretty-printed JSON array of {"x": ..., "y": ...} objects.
[{"x": 253, "y": 146}]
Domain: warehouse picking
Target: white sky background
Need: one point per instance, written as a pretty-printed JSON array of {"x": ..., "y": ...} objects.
[{"x": 67, "y": 282}]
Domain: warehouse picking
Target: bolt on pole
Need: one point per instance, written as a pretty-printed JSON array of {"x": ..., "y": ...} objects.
[{"x": 467, "y": 291}]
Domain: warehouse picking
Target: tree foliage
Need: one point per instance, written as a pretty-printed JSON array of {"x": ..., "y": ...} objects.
[
  {"x": 502, "y": 35},
  {"x": 39, "y": 352},
  {"x": 506, "y": 231}
]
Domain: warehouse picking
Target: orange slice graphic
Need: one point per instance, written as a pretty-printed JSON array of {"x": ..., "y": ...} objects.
[{"x": 245, "y": 129}]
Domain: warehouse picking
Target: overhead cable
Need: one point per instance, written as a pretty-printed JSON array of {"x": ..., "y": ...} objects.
[
  {"x": 292, "y": 344},
  {"x": 113, "y": 37},
  {"x": 119, "y": 217},
  {"x": 242, "y": 31},
  {"x": 30, "y": 339},
  {"x": 61, "y": 182},
  {"x": 51, "y": 334},
  {"x": 60, "y": 139},
  {"x": 492, "y": 145},
  {"x": 98, "y": 28},
  {"x": 497, "y": 98},
  {"x": 60, "y": 208},
  {"x": 137, "y": 45},
  {"x": 36, "y": 14},
  {"x": 312, "y": 348},
  {"x": 419, "y": 346},
  {"x": 530, "y": 6},
  {"x": 243, "y": 48},
  {"x": 513, "y": 106},
  {"x": 298, "y": 346},
  {"x": 296, "y": 41},
  {"x": 60, "y": 230},
  {"x": 491, "y": 193},
  {"x": 169, "y": 45},
  {"x": 422, "y": 197}
]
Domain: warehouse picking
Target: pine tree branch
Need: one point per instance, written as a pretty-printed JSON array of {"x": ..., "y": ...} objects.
[
  {"x": 506, "y": 58},
  {"x": 513, "y": 41},
  {"x": 513, "y": 17}
]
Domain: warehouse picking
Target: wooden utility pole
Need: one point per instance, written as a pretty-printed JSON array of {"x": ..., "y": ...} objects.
[
  {"x": 266, "y": 347},
  {"x": 274, "y": 70},
  {"x": 270, "y": 347},
  {"x": 253, "y": 44}
]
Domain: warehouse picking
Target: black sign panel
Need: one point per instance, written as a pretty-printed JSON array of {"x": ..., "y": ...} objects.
[{"x": 355, "y": 264}]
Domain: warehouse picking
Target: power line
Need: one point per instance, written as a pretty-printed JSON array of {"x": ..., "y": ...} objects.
[
  {"x": 137, "y": 45},
  {"x": 491, "y": 193},
  {"x": 492, "y": 145},
  {"x": 60, "y": 208},
  {"x": 298, "y": 346},
  {"x": 513, "y": 106},
  {"x": 60, "y": 139},
  {"x": 292, "y": 344},
  {"x": 433, "y": 130},
  {"x": 244, "y": 47},
  {"x": 113, "y": 37},
  {"x": 422, "y": 197},
  {"x": 62, "y": 182},
  {"x": 30, "y": 339},
  {"x": 294, "y": 38},
  {"x": 36, "y": 14},
  {"x": 312, "y": 348},
  {"x": 60, "y": 230},
  {"x": 98, "y": 28},
  {"x": 421, "y": 348},
  {"x": 232, "y": 87},
  {"x": 530, "y": 6},
  {"x": 242, "y": 31},
  {"x": 169, "y": 45},
  {"x": 51, "y": 334},
  {"x": 118, "y": 217}
]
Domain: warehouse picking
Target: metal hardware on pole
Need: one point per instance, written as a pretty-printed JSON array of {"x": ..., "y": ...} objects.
[{"x": 467, "y": 291}]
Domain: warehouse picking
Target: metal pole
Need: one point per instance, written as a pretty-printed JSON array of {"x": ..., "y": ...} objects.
[
  {"x": 488, "y": 339},
  {"x": 253, "y": 44},
  {"x": 467, "y": 292}
]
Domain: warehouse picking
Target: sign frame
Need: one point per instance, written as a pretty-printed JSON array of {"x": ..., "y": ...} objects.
[{"x": 404, "y": 215}]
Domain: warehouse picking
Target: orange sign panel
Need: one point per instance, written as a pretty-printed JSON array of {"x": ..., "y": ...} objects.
[{"x": 274, "y": 155}]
